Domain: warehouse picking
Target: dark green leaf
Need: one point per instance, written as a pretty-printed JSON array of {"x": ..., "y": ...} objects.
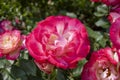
[
  {"x": 102, "y": 10},
  {"x": 77, "y": 71},
  {"x": 28, "y": 66},
  {"x": 60, "y": 75},
  {"x": 17, "y": 72},
  {"x": 102, "y": 23},
  {"x": 94, "y": 34}
]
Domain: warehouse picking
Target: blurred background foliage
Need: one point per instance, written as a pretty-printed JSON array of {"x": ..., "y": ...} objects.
[{"x": 29, "y": 12}]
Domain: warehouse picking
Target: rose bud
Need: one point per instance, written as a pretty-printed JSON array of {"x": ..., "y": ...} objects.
[
  {"x": 58, "y": 40},
  {"x": 103, "y": 65}
]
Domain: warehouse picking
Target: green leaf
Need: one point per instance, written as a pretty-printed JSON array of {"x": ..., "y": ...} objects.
[
  {"x": 60, "y": 75},
  {"x": 1, "y": 76},
  {"x": 77, "y": 71},
  {"x": 94, "y": 34},
  {"x": 28, "y": 66},
  {"x": 73, "y": 15},
  {"x": 102, "y": 10},
  {"x": 5, "y": 63},
  {"x": 52, "y": 76},
  {"x": 17, "y": 72},
  {"x": 102, "y": 23},
  {"x": 34, "y": 78}
]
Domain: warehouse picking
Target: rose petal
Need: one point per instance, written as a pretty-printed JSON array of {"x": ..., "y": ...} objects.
[
  {"x": 46, "y": 67},
  {"x": 13, "y": 55},
  {"x": 115, "y": 33}
]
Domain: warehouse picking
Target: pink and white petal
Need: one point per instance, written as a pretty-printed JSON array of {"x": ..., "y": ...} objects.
[
  {"x": 112, "y": 56},
  {"x": 35, "y": 48},
  {"x": 14, "y": 55},
  {"x": 113, "y": 16},
  {"x": 59, "y": 62},
  {"x": 115, "y": 33},
  {"x": 45, "y": 67},
  {"x": 23, "y": 39}
]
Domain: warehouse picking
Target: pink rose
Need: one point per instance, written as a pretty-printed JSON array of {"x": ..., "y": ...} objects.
[
  {"x": 108, "y": 2},
  {"x": 114, "y": 13},
  {"x": 58, "y": 40},
  {"x": 5, "y": 25},
  {"x": 115, "y": 33},
  {"x": 103, "y": 65},
  {"x": 10, "y": 44}
]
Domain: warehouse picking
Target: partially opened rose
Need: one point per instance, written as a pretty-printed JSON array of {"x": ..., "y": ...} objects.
[
  {"x": 103, "y": 65},
  {"x": 115, "y": 33},
  {"x": 58, "y": 40}
]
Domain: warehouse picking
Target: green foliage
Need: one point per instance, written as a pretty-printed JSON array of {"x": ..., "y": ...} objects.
[
  {"x": 23, "y": 69},
  {"x": 77, "y": 71},
  {"x": 29, "y": 12}
]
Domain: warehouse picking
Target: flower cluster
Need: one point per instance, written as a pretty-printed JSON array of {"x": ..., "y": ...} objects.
[
  {"x": 61, "y": 42},
  {"x": 10, "y": 41},
  {"x": 104, "y": 63}
]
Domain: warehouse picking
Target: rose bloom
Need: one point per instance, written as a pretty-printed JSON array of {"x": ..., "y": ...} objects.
[
  {"x": 108, "y": 2},
  {"x": 10, "y": 41},
  {"x": 115, "y": 33},
  {"x": 114, "y": 13},
  {"x": 58, "y": 41},
  {"x": 5, "y": 25},
  {"x": 103, "y": 65}
]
